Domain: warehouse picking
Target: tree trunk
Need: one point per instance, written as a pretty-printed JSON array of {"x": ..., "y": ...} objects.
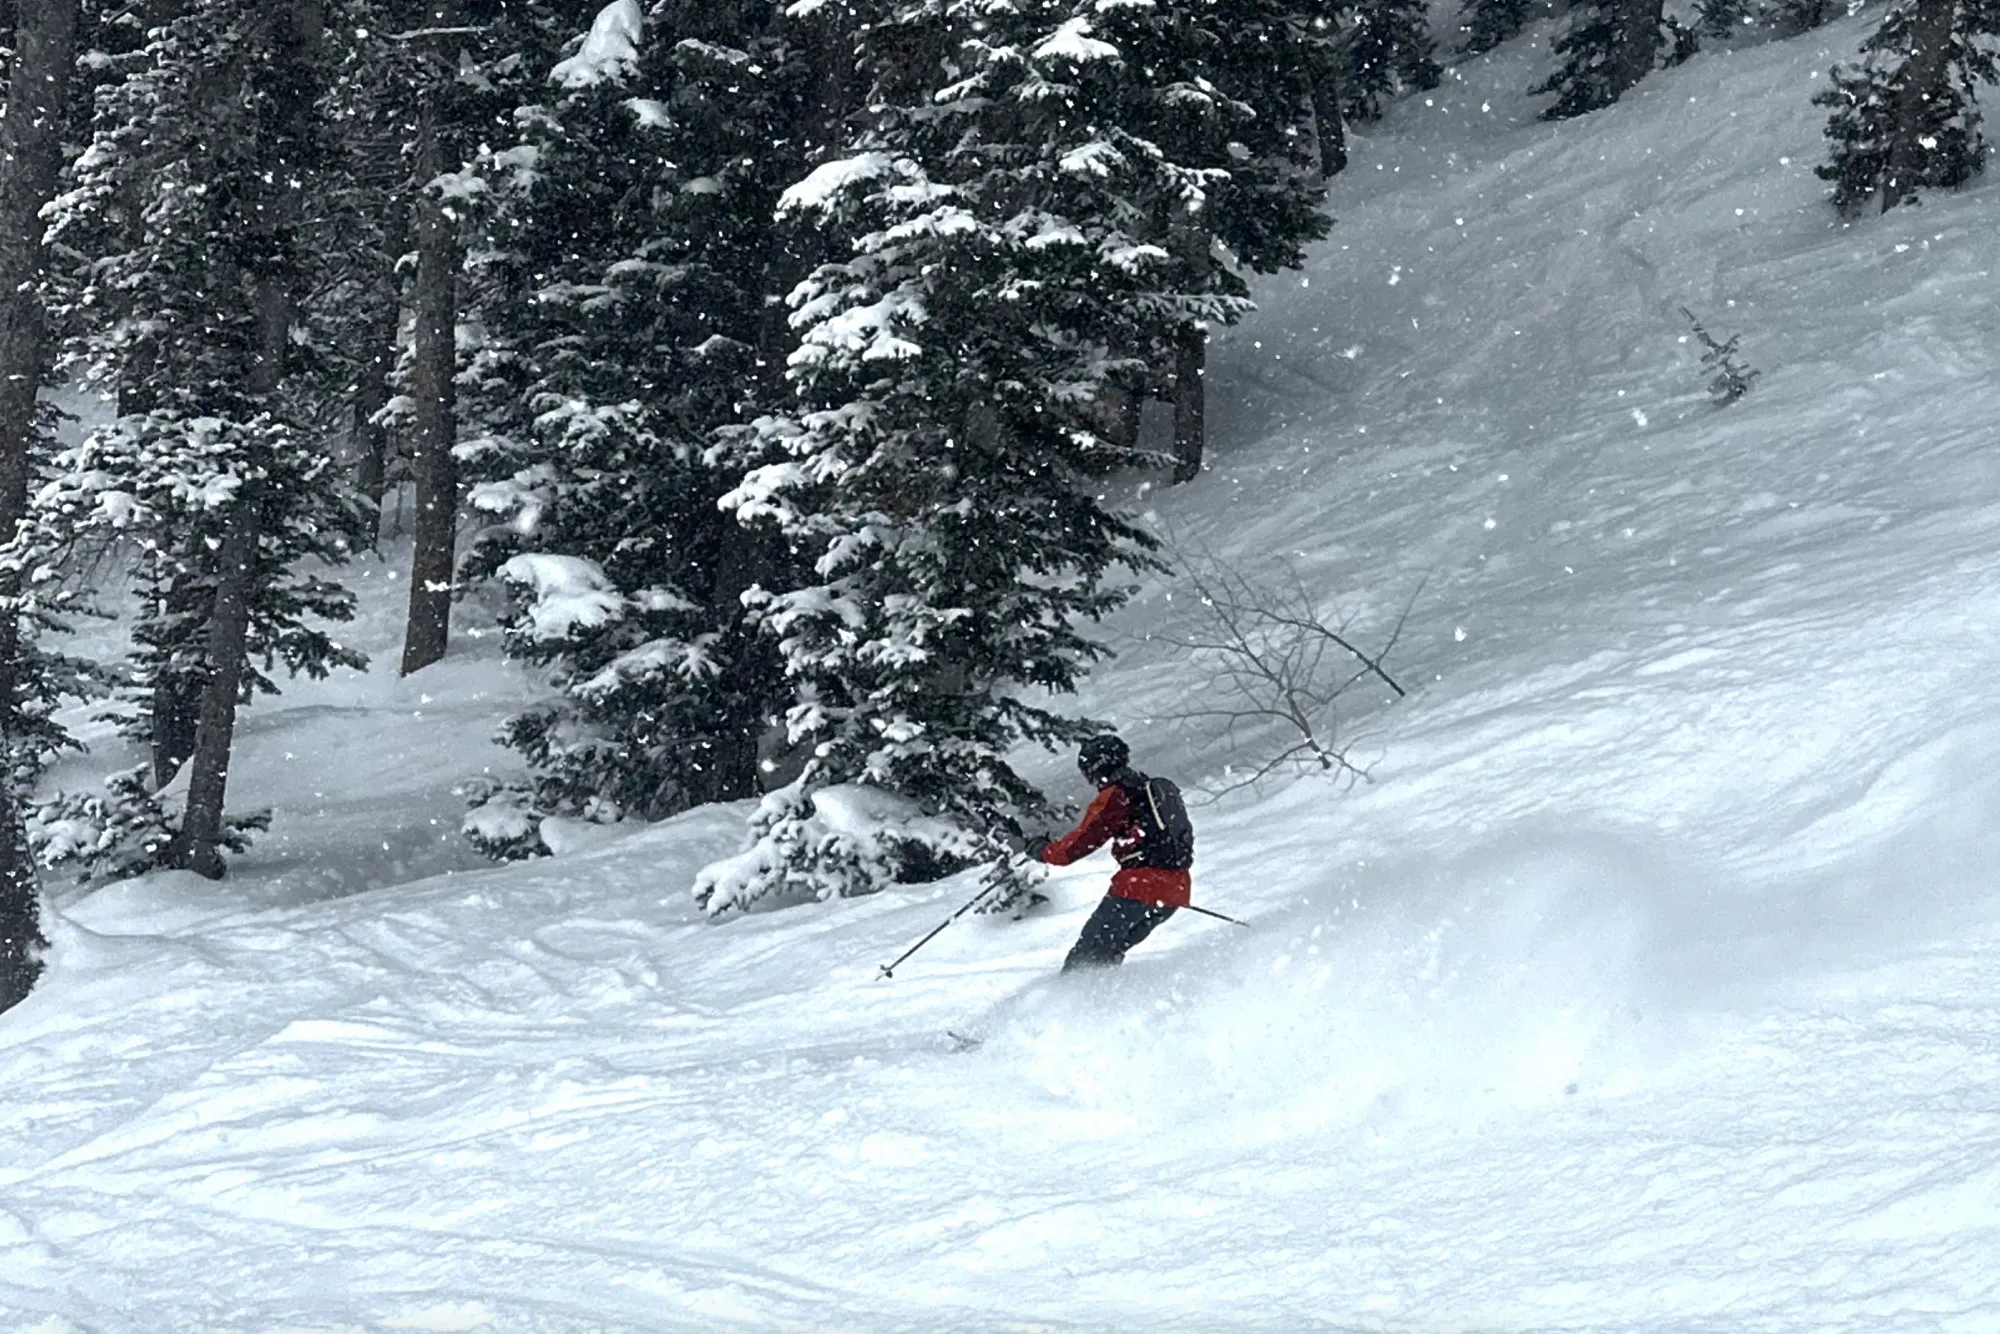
[
  {"x": 432, "y": 384},
  {"x": 1329, "y": 127},
  {"x": 1190, "y": 401},
  {"x": 30, "y": 160},
  {"x": 176, "y": 714},
  {"x": 198, "y": 846},
  {"x": 728, "y": 765},
  {"x": 1131, "y": 420},
  {"x": 1921, "y": 82},
  {"x": 1192, "y": 244},
  {"x": 44, "y": 37},
  {"x": 371, "y": 389},
  {"x": 21, "y": 938},
  {"x": 371, "y": 436}
]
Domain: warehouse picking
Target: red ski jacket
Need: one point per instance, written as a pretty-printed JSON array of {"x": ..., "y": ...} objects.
[{"x": 1110, "y": 819}]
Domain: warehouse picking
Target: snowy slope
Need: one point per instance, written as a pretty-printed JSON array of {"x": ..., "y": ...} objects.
[{"x": 1644, "y": 987}]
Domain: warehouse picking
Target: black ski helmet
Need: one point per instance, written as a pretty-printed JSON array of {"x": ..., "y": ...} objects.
[{"x": 1101, "y": 756}]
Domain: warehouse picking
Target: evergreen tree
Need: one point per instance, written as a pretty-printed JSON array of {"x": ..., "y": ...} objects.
[
  {"x": 421, "y": 84},
  {"x": 364, "y": 207},
  {"x": 1484, "y": 24},
  {"x": 1019, "y": 209},
  {"x": 1720, "y": 20},
  {"x": 41, "y": 39},
  {"x": 1389, "y": 50},
  {"x": 1905, "y": 118},
  {"x": 374, "y": 220},
  {"x": 629, "y": 301},
  {"x": 1790, "y": 18},
  {"x": 1606, "y": 48},
  {"x": 196, "y": 253},
  {"x": 1251, "y": 100}
]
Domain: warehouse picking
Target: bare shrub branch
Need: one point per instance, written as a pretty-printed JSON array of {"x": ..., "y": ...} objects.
[{"x": 1277, "y": 662}]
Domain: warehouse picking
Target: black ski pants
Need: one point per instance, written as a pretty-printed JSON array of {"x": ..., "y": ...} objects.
[{"x": 1115, "y": 927}]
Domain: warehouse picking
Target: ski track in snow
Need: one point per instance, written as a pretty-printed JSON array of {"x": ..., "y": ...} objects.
[{"x": 1645, "y": 985}]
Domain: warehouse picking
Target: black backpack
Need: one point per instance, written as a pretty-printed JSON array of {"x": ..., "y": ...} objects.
[{"x": 1166, "y": 837}]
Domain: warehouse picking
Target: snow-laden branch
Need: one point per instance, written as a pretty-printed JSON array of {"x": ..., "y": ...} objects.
[{"x": 610, "y": 50}]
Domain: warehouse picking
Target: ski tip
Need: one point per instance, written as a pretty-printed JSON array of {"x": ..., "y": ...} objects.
[{"x": 964, "y": 1041}]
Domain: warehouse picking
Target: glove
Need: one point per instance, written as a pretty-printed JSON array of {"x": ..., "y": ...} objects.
[{"x": 1028, "y": 845}]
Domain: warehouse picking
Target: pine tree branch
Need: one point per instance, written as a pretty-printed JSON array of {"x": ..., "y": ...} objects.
[{"x": 419, "y": 34}]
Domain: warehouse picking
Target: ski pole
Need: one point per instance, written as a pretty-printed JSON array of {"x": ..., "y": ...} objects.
[
  {"x": 1205, "y": 913},
  {"x": 889, "y": 969}
]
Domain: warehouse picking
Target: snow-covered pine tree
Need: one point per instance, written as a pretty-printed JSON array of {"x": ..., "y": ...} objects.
[
  {"x": 933, "y": 475},
  {"x": 1484, "y": 24},
  {"x": 1906, "y": 119},
  {"x": 1789, "y": 18},
  {"x": 41, "y": 40},
  {"x": 1389, "y": 51},
  {"x": 1243, "y": 108},
  {"x": 363, "y": 203},
  {"x": 1249, "y": 100},
  {"x": 1017, "y": 208},
  {"x": 1720, "y": 20},
  {"x": 193, "y": 255},
  {"x": 1606, "y": 47},
  {"x": 421, "y": 82},
  {"x": 1315, "y": 46},
  {"x": 634, "y": 283}
]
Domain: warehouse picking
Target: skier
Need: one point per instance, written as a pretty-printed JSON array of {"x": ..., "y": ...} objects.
[{"x": 1147, "y": 825}]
